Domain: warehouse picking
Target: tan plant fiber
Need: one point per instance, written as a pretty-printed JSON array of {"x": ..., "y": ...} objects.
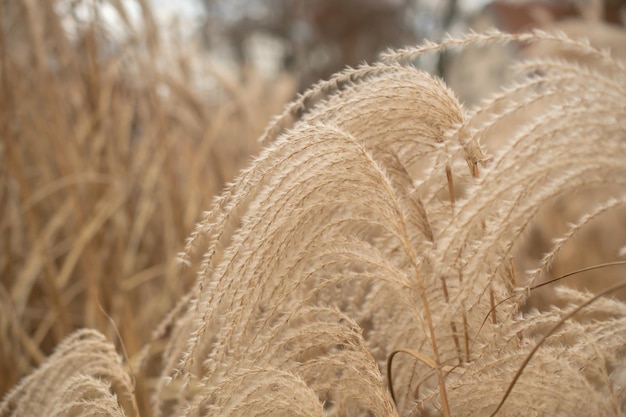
[
  {"x": 76, "y": 380},
  {"x": 364, "y": 263},
  {"x": 332, "y": 252},
  {"x": 109, "y": 150}
]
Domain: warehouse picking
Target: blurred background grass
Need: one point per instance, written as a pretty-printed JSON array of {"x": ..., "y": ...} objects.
[
  {"x": 117, "y": 128},
  {"x": 110, "y": 151}
]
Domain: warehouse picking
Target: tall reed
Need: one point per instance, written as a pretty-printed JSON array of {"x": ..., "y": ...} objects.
[{"x": 109, "y": 151}]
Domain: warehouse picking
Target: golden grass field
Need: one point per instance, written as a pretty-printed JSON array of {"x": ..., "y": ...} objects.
[
  {"x": 103, "y": 177},
  {"x": 382, "y": 253}
]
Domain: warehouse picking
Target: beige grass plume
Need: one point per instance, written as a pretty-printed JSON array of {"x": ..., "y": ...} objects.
[
  {"x": 330, "y": 254},
  {"x": 370, "y": 248},
  {"x": 301, "y": 251},
  {"x": 84, "y": 377}
]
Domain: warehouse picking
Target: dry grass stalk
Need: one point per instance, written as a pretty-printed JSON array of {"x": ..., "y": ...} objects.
[
  {"x": 107, "y": 157},
  {"x": 84, "y": 376},
  {"x": 330, "y": 217},
  {"x": 341, "y": 246}
]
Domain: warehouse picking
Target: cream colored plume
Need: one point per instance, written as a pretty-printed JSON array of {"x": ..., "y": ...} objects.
[
  {"x": 340, "y": 248},
  {"x": 83, "y": 377},
  {"x": 365, "y": 263}
]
